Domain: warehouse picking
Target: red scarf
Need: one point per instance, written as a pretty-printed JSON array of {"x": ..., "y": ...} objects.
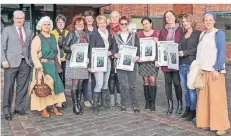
[{"x": 114, "y": 28}]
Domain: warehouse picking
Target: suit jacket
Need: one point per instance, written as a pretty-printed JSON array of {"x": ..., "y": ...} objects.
[{"x": 12, "y": 47}]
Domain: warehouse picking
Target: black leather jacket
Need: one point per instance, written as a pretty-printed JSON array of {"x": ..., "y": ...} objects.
[{"x": 71, "y": 39}]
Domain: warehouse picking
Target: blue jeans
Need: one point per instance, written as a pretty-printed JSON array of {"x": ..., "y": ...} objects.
[{"x": 190, "y": 95}]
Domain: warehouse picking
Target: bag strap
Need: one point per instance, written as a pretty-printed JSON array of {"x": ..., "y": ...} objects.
[
  {"x": 48, "y": 42},
  {"x": 36, "y": 77},
  {"x": 202, "y": 37},
  {"x": 133, "y": 38}
]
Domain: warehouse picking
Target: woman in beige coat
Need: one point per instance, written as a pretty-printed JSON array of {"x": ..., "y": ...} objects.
[{"x": 43, "y": 60}]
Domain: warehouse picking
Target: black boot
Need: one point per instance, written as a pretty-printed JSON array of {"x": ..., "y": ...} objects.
[
  {"x": 104, "y": 99},
  {"x": 79, "y": 99},
  {"x": 191, "y": 116},
  {"x": 152, "y": 93},
  {"x": 108, "y": 98},
  {"x": 146, "y": 96},
  {"x": 179, "y": 108},
  {"x": 170, "y": 107},
  {"x": 186, "y": 112},
  {"x": 76, "y": 109},
  {"x": 95, "y": 104}
]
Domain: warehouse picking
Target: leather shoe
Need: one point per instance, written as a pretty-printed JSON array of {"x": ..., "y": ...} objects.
[
  {"x": 8, "y": 117},
  {"x": 22, "y": 113}
]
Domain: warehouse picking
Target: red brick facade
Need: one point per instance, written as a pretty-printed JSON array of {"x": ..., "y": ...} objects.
[{"x": 196, "y": 10}]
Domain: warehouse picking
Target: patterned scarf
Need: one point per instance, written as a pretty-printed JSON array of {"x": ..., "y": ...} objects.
[
  {"x": 114, "y": 28},
  {"x": 171, "y": 32},
  {"x": 81, "y": 35}
]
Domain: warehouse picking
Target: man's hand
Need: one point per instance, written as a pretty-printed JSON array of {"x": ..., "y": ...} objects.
[{"x": 5, "y": 64}]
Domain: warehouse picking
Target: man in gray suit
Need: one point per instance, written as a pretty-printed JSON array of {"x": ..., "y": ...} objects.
[{"x": 16, "y": 61}]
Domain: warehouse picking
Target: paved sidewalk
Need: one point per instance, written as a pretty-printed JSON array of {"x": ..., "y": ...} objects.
[{"x": 112, "y": 122}]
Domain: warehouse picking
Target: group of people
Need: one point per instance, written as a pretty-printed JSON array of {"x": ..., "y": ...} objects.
[{"x": 22, "y": 53}]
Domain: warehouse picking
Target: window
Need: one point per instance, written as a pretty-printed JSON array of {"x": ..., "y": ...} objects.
[{"x": 223, "y": 21}]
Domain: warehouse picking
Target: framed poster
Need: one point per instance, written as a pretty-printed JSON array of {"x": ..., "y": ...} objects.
[
  {"x": 173, "y": 57},
  {"x": 163, "y": 52},
  {"x": 99, "y": 59},
  {"x": 147, "y": 49},
  {"x": 79, "y": 55},
  {"x": 127, "y": 53}
]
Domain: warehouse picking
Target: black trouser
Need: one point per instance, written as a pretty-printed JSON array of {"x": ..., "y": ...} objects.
[
  {"x": 62, "y": 74},
  {"x": 113, "y": 83},
  {"x": 175, "y": 78},
  {"x": 21, "y": 75}
]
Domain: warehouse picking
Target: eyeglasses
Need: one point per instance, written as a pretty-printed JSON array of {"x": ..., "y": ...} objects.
[
  {"x": 124, "y": 24},
  {"x": 79, "y": 24}
]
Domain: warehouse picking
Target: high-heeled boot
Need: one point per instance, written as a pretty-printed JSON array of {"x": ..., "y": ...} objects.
[
  {"x": 76, "y": 109},
  {"x": 152, "y": 93},
  {"x": 170, "y": 107},
  {"x": 147, "y": 97},
  {"x": 79, "y": 100}
]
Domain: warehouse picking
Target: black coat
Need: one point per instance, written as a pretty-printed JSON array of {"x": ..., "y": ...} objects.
[
  {"x": 71, "y": 39},
  {"x": 96, "y": 41},
  {"x": 190, "y": 50}
]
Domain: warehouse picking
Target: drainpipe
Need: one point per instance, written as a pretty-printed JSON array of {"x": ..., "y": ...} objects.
[{"x": 148, "y": 10}]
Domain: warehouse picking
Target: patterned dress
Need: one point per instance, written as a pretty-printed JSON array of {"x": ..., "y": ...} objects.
[{"x": 147, "y": 68}]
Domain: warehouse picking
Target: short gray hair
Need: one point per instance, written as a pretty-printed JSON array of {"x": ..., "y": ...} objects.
[{"x": 18, "y": 12}]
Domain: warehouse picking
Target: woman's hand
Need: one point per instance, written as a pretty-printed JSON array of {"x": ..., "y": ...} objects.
[
  {"x": 117, "y": 55},
  {"x": 180, "y": 53},
  {"x": 62, "y": 59},
  {"x": 87, "y": 61},
  {"x": 72, "y": 47},
  {"x": 136, "y": 59},
  {"x": 215, "y": 75},
  {"x": 109, "y": 53}
]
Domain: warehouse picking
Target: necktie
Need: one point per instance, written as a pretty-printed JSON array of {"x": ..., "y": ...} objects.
[{"x": 21, "y": 38}]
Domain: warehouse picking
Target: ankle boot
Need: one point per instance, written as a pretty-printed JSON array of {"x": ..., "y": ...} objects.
[
  {"x": 79, "y": 99},
  {"x": 170, "y": 107},
  {"x": 179, "y": 108},
  {"x": 76, "y": 109},
  {"x": 147, "y": 97},
  {"x": 191, "y": 116},
  {"x": 186, "y": 112},
  {"x": 113, "y": 100},
  {"x": 95, "y": 104},
  {"x": 152, "y": 93}
]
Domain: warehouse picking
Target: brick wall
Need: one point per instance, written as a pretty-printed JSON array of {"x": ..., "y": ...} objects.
[
  {"x": 71, "y": 11},
  {"x": 196, "y": 10}
]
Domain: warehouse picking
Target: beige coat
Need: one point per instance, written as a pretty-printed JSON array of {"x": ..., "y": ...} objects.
[{"x": 38, "y": 103}]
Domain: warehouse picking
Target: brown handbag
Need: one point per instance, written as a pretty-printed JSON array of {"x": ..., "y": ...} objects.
[
  {"x": 56, "y": 61},
  {"x": 41, "y": 90}
]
